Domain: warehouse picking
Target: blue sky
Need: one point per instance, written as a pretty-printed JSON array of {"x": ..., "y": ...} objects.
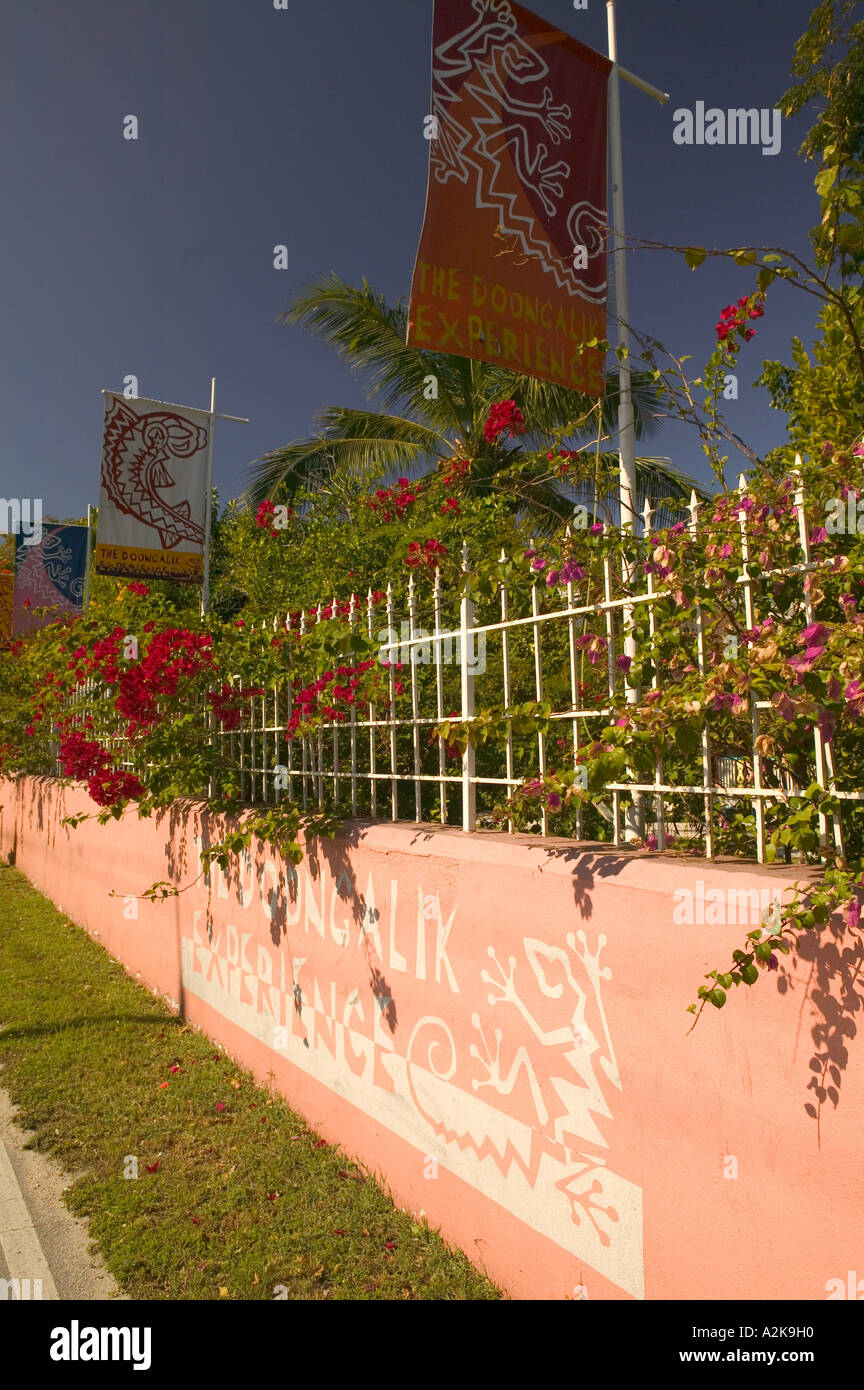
[{"x": 304, "y": 126}]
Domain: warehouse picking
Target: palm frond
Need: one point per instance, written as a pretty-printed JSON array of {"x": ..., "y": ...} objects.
[{"x": 370, "y": 335}]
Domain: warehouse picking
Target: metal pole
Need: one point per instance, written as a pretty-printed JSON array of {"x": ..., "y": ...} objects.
[
  {"x": 626, "y": 430},
  {"x": 643, "y": 86},
  {"x": 635, "y": 827},
  {"x": 87, "y": 563},
  {"x": 208, "y": 504}
]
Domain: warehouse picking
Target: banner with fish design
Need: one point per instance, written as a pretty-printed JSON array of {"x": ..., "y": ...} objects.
[
  {"x": 511, "y": 268},
  {"x": 50, "y": 575},
  {"x": 152, "y": 492}
]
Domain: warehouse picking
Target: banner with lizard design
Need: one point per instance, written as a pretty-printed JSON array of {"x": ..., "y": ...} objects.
[
  {"x": 152, "y": 490},
  {"x": 511, "y": 268}
]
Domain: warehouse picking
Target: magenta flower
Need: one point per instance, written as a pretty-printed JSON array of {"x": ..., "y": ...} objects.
[
  {"x": 553, "y": 801},
  {"x": 855, "y": 698},
  {"x": 624, "y": 663},
  {"x": 826, "y": 724},
  {"x": 783, "y": 705},
  {"x": 571, "y": 573},
  {"x": 853, "y": 913}
]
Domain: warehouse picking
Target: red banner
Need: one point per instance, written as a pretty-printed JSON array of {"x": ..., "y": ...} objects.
[{"x": 512, "y": 262}]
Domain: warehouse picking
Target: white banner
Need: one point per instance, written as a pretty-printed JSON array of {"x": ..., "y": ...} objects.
[{"x": 152, "y": 503}]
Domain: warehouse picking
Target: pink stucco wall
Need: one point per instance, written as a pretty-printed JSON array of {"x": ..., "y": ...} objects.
[{"x": 497, "y": 1027}]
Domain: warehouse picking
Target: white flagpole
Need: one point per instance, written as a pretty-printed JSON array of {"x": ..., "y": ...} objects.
[
  {"x": 626, "y": 425},
  {"x": 626, "y": 429},
  {"x": 89, "y": 553},
  {"x": 208, "y": 503}
]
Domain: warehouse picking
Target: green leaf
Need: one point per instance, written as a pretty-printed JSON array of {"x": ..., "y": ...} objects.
[{"x": 694, "y": 256}]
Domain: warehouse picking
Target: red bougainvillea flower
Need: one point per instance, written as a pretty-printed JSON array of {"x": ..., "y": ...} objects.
[
  {"x": 152, "y": 1167},
  {"x": 426, "y": 556},
  {"x": 503, "y": 416},
  {"x": 734, "y": 317},
  {"x": 140, "y": 589},
  {"x": 220, "y": 1105}
]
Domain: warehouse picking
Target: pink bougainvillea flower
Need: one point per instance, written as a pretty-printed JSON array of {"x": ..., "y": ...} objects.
[
  {"x": 855, "y": 698},
  {"x": 624, "y": 663},
  {"x": 271, "y": 1196},
  {"x": 571, "y": 573},
  {"x": 826, "y": 724},
  {"x": 174, "y": 1068},
  {"x": 196, "y": 1220},
  {"x": 553, "y": 801},
  {"x": 220, "y": 1105},
  {"x": 783, "y": 705},
  {"x": 596, "y": 529},
  {"x": 163, "y": 1085},
  {"x": 338, "y": 1231},
  {"x": 321, "y": 1144},
  {"x": 816, "y": 635},
  {"x": 651, "y": 842},
  {"x": 772, "y": 961},
  {"x": 152, "y": 1167},
  {"x": 389, "y": 1245}
]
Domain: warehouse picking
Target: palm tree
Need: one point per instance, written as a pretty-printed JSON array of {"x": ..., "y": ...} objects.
[{"x": 442, "y": 403}]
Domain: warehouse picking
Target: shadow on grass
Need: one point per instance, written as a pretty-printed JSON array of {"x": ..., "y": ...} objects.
[{"x": 39, "y": 1030}]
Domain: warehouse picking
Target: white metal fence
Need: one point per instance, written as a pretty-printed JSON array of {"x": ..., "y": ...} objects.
[{"x": 384, "y": 762}]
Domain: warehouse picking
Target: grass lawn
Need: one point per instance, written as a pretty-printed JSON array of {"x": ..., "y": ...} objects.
[{"x": 235, "y": 1198}]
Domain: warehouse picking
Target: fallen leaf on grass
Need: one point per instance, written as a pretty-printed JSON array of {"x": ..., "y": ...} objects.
[{"x": 223, "y": 1292}]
